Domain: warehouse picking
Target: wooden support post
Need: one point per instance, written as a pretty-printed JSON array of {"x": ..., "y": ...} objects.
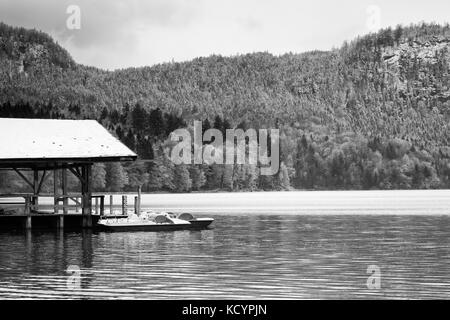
[
  {"x": 136, "y": 212},
  {"x": 96, "y": 205},
  {"x": 102, "y": 206},
  {"x": 35, "y": 200},
  {"x": 28, "y": 201},
  {"x": 86, "y": 184},
  {"x": 124, "y": 205},
  {"x": 55, "y": 191},
  {"x": 139, "y": 201},
  {"x": 64, "y": 191},
  {"x": 111, "y": 200},
  {"x": 77, "y": 208},
  {"x": 60, "y": 222},
  {"x": 28, "y": 222},
  {"x": 27, "y": 205}
]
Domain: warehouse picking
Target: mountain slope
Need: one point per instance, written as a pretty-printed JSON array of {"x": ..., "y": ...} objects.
[{"x": 387, "y": 91}]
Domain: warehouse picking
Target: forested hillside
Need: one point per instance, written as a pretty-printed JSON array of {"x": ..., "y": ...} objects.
[{"x": 374, "y": 113}]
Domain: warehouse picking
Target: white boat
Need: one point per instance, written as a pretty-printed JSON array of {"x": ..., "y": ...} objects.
[{"x": 153, "y": 221}]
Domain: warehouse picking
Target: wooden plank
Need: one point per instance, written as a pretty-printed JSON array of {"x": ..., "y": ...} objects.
[{"x": 50, "y": 163}]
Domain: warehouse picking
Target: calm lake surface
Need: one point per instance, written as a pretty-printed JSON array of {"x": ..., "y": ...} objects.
[{"x": 311, "y": 245}]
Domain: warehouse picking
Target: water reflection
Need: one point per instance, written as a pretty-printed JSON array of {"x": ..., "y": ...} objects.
[{"x": 243, "y": 257}]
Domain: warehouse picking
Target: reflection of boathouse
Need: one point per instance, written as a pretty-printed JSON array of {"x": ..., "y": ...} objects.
[{"x": 35, "y": 149}]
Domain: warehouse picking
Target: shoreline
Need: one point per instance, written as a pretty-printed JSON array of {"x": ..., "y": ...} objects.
[{"x": 367, "y": 202}]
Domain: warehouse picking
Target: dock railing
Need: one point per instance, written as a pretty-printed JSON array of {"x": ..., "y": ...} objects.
[
  {"x": 28, "y": 204},
  {"x": 64, "y": 204}
]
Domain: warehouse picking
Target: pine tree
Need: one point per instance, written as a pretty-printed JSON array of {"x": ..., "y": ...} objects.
[
  {"x": 116, "y": 177},
  {"x": 155, "y": 174},
  {"x": 98, "y": 176},
  {"x": 140, "y": 118},
  {"x": 157, "y": 124},
  {"x": 227, "y": 181},
  {"x": 252, "y": 176},
  {"x": 206, "y": 125},
  {"x": 144, "y": 147},
  {"x": 137, "y": 175},
  {"x": 181, "y": 179},
  {"x": 198, "y": 177},
  {"x": 218, "y": 123},
  {"x": 239, "y": 177},
  {"x": 283, "y": 177},
  {"x": 214, "y": 176}
]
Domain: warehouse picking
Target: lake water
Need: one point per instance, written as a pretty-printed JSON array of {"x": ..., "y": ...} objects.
[{"x": 311, "y": 245}]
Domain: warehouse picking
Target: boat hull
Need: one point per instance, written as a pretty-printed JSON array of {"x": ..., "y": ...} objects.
[
  {"x": 200, "y": 223},
  {"x": 144, "y": 227},
  {"x": 178, "y": 224}
]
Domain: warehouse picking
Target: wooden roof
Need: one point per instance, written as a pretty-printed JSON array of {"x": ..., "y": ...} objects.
[{"x": 43, "y": 141}]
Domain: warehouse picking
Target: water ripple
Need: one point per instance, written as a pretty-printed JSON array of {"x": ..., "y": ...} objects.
[{"x": 243, "y": 257}]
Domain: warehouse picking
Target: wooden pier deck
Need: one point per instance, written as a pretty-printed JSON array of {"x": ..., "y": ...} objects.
[{"x": 26, "y": 214}]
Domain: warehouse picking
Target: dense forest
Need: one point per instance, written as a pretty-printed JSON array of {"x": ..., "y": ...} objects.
[{"x": 372, "y": 114}]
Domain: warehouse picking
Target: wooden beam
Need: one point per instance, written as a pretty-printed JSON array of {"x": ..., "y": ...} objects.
[
  {"x": 24, "y": 178},
  {"x": 49, "y": 162},
  {"x": 77, "y": 174},
  {"x": 77, "y": 169},
  {"x": 75, "y": 200},
  {"x": 43, "y": 178}
]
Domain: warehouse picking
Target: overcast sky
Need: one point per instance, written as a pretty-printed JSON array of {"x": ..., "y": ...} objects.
[{"x": 130, "y": 33}]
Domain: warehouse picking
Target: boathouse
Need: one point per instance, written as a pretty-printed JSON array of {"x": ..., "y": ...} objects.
[{"x": 36, "y": 148}]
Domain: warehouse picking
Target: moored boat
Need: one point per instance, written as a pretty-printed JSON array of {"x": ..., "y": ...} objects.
[
  {"x": 152, "y": 221},
  {"x": 196, "y": 223}
]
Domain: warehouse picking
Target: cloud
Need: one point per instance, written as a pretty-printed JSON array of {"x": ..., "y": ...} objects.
[
  {"x": 110, "y": 31},
  {"x": 102, "y": 21},
  {"x": 250, "y": 23},
  {"x": 125, "y": 33}
]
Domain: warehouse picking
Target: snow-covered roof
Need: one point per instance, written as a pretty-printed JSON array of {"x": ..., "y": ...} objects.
[{"x": 44, "y": 140}]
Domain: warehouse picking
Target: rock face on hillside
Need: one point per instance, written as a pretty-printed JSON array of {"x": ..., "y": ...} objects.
[
  {"x": 426, "y": 56},
  {"x": 427, "y": 51},
  {"x": 22, "y": 50}
]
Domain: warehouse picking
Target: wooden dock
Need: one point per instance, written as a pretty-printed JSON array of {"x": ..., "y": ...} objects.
[
  {"x": 36, "y": 148},
  {"x": 19, "y": 211}
]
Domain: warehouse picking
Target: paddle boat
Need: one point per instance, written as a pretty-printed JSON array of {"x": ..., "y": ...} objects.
[{"x": 153, "y": 221}]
